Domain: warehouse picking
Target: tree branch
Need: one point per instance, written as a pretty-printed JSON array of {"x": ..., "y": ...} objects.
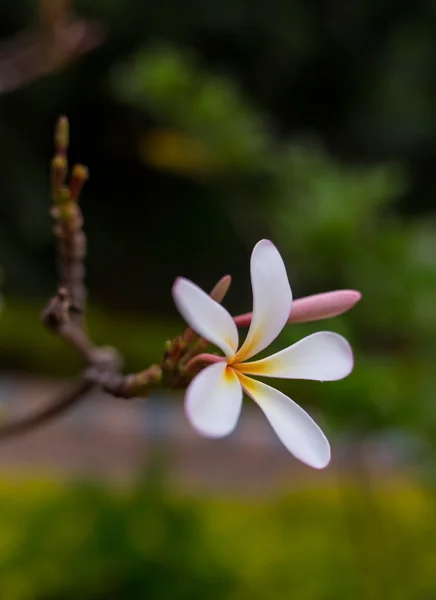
[{"x": 64, "y": 313}]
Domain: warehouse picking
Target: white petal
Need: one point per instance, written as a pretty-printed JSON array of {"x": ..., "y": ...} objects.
[
  {"x": 272, "y": 299},
  {"x": 213, "y": 400},
  {"x": 323, "y": 356},
  {"x": 205, "y": 316},
  {"x": 293, "y": 426}
]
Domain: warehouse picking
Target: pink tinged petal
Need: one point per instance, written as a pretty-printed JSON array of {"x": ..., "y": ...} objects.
[
  {"x": 293, "y": 426},
  {"x": 205, "y": 316},
  {"x": 272, "y": 299},
  {"x": 213, "y": 401},
  {"x": 314, "y": 308},
  {"x": 323, "y": 356},
  {"x": 323, "y": 306}
]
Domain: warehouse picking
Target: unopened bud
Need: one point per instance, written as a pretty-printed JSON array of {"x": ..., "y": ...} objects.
[
  {"x": 221, "y": 288},
  {"x": 62, "y": 135},
  {"x": 314, "y": 308},
  {"x": 323, "y": 306},
  {"x": 78, "y": 177}
]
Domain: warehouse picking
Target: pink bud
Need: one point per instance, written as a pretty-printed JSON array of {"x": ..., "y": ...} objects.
[
  {"x": 323, "y": 306},
  {"x": 314, "y": 308}
]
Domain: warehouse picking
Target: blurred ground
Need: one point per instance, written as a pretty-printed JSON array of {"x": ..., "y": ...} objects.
[{"x": 115, "y": 440}]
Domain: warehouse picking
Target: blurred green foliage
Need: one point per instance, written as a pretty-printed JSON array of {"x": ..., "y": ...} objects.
[
  {"x": 28, "y": 346},
  {"x": 61, "y": 542}
]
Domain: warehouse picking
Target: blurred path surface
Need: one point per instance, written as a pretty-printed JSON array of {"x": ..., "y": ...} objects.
[{"x": 106, "y": 438}]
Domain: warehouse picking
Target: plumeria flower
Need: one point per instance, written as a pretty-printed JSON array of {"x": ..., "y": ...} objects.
[{"x": 213, "y": 399}]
